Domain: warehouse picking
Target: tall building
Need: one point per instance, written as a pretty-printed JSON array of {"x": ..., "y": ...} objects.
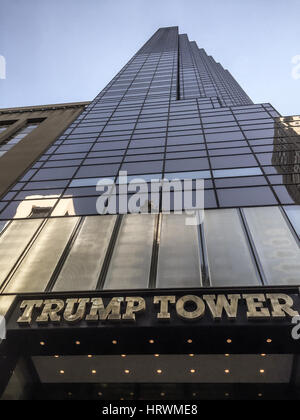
[{"x": 139, "y": 302}]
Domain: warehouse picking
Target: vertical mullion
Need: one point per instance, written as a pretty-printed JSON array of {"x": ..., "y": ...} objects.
[{"x": 155, "y": 252}]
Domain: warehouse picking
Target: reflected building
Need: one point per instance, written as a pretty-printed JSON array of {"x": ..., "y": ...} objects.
[
  {"x": 147, "y": 304},
  {"x": 286, "y": 157}
]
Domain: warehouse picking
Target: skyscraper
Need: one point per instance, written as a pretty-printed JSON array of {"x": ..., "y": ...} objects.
[{"x": 116, "y": 293}]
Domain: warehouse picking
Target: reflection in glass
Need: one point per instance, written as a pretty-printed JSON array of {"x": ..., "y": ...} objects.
[
  {"x": 275, "y": 244},
  {"x": 13, "y": 242},
  {"x": 83, "y": 265},
  {"x": 131, "y": 178},
  {"x": 2, "y": 226},
  {"x": 286, "y": 156},
  {"x": 37, "y": 267},
  {"x": 32, "y": 207},
  {"x": 229, "y": 256},
  {"x": 86, "y": 182},
  {"x": 225, "y": 173},
  {"x": 5, "y": 304},
  {"x": 249, "y": 196},
  {"x": 188, "y": 175},
  {"x": 293, "y": 213},
  {"x": 179, "y": 258},
  {"x": 130, "y": 263}
]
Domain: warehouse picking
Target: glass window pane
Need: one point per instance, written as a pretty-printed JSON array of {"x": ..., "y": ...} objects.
[
  {"x": 131, "y": 260},
  {"x": 2, "y": 226},
  {"x": 188, "y": 175},
  {"x": 235, "y": 161},
  {"x": 85, "y": 182},
  {"x": 179, "y": 259},
  {"x": 275, "y": 244},
  {"x": 293, "y": 213},
  {"x": 13, "y": 242},
  {"x": 83, "y": 265},
  {"x": 229, "y": 257},
  {"x": 5, "y": 304},
  {"x": 35, "y": 271},
  {"x": 54, "y": 173},
  {"x": 236, "y": 172},
  {"x": 248, "y": 196}
]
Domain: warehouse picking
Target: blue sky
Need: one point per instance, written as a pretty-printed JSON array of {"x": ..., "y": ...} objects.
[{"x": 67, "y": 50}]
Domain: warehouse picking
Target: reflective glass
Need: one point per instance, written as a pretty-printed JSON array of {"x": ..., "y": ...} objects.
[
  {"x": 82, "y": 267},
  {"x": 277, "y": 249},
  {"x": 35, "y": 271},
  {"x": 229, "y": 255},
  {"x": 225, "y": 173},
  {"x": 179, "y": 255},
  {"x": 293, "y": 213},
  {"x": 131, "y": 260},
  {"x": 13, "y": 242}
]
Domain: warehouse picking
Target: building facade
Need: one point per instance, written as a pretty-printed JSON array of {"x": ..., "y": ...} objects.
[
  {"x": 110, "y": 290},
  {"x": 27, "y": 132}
]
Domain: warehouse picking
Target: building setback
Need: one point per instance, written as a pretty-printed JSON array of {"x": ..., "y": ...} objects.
[{"x": 150, "y": 303}]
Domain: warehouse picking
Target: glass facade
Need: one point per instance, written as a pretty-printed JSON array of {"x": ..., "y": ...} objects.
[
  {"x": 171, "y": 112},
  {"x": 261, "y": 239},
  {"x": 240, "y": 150}
]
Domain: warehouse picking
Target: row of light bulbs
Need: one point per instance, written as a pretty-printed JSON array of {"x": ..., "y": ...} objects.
[
  {"x": 159, "y": 371},
  {"x": 157, "y": 355},
  {"x": 163, "y": 394},
  {"x": 151, "y": 341}
]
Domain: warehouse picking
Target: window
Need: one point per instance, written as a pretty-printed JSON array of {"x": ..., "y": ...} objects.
[
  {"x": 131, "y": 260},
  {"x": 179, "y": 258},
  {"x": 186, "y": 164},
  {"x": 9, "y": 142},
  {"x": 293, "y": 213},
  {"x": 4, "y": 125},
  {"x": 82, "y": 268},
  {"x": 229, "y": 257},
  {"x": 250, "y": 196},
  {"x": 226, "y": 173},
  {"x": 34, "y": 274},
  {"x": 13, "y": 242},
  {"x": 275, "y": 244}
]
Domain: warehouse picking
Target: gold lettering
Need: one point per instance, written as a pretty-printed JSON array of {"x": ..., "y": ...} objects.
[
  {"x": 69, "y": 314},
  {"x": 222, "y": 304},
  {"x": 164, "y": 305},
  {"x": 29, "y": 306},
  {"x": 279, "y": 310},
  {"x": 51, "y": 310},
  {"x": 256, "y": 309},
  {"x": 191, "y": 315},
  {"x": 134, "y": 304},
  {"x": 111, "y": 312}
]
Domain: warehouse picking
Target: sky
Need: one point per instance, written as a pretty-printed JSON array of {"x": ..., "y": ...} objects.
[{"x": 56, "y": 51}]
